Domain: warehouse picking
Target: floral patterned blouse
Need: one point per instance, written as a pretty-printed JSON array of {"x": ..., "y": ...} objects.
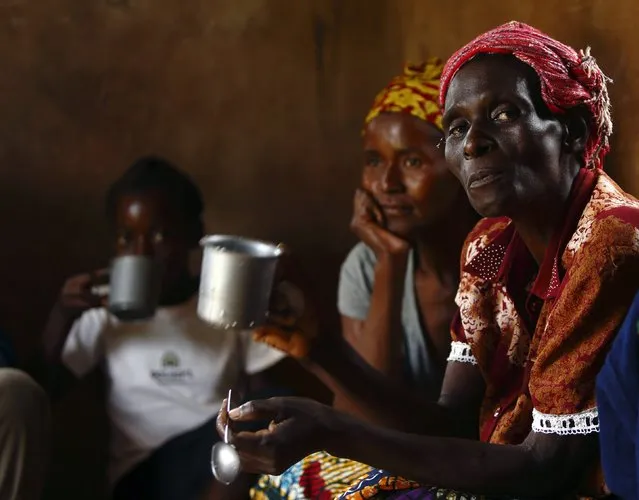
[{"x": 540, "y": 334}]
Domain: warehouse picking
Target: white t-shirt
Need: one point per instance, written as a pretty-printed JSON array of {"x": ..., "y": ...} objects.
[{"x": 167, "y": 375}]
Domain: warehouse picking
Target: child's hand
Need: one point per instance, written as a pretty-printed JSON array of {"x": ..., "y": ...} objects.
[{"x": 77, "y": 295}]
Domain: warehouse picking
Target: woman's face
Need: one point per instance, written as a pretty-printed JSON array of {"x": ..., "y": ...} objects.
[
  {"x": 502, "y": 143},
  {"x": 405, "y": 172}
]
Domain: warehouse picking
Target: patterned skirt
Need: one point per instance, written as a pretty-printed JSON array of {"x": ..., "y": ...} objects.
[
  {"x": 321, "y": 476},
  {"x": 381, "y": 485}
]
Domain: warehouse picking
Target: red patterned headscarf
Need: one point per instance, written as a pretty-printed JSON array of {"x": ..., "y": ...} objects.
[
  {"x": 415, "y": 91},
  {"x": 568, "y": 78}
]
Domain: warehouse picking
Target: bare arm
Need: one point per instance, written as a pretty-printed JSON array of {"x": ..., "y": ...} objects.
[
  {"x": 55, "y": 333},
  {"x": 288, "y": 374},
  {"x": 57, "y": 379},
  {"x": 392, "y": 404},
  {"x": 385, "y": 401},
  {"x": 75, "y": 298},
  {"x": 544, "y": 465},
  {"x": 378, "y": 338}
]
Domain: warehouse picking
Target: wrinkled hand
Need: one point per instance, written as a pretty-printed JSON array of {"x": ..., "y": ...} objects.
[
  {"x": 293, "y": 322},
  {"x": 76, "y": 295},
  {"x": 298, "y": 428},
  {"x": 369, "y": 224}
]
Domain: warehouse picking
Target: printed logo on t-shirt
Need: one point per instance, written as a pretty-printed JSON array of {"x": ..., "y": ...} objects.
[
  {"x": 170, "y": 359},
  {"x": 170, "y": 371}
]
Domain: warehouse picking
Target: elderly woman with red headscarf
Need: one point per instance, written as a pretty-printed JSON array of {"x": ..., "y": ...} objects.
[{"x": 547, "y": 278}]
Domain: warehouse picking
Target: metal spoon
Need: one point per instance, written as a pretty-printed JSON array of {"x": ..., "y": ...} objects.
[{"x": 225, "y": 461}]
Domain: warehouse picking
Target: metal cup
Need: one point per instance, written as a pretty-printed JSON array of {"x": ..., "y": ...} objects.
[
  {"x": 236, "y": 281},
  {"x": 134, "y": 287}
]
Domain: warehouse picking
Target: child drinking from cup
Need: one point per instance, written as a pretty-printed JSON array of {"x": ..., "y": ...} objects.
[{"x": 168, "y": 374}]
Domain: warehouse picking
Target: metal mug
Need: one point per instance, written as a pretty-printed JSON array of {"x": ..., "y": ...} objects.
[
  {"x": 236, "y": 281},
  {"x": 134, "y": 287}
]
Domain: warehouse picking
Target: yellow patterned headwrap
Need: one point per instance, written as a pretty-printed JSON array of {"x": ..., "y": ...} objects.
[{"x": 416, "y": 91}]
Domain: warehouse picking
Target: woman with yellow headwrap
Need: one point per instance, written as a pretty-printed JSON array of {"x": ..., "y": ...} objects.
[{"x": 397, "y": 285}]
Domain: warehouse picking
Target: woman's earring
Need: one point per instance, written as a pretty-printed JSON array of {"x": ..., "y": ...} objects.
[{"x": 439, "y": 144}]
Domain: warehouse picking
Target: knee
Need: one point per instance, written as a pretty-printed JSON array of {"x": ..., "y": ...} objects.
[{"x": 21, "y": 396}]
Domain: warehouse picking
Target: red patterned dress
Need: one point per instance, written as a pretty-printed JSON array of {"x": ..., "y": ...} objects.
[{"x": 540, "y": 334}]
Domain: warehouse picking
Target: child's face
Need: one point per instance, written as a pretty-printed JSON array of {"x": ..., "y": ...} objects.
[{"x": 147, "y": 223}]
